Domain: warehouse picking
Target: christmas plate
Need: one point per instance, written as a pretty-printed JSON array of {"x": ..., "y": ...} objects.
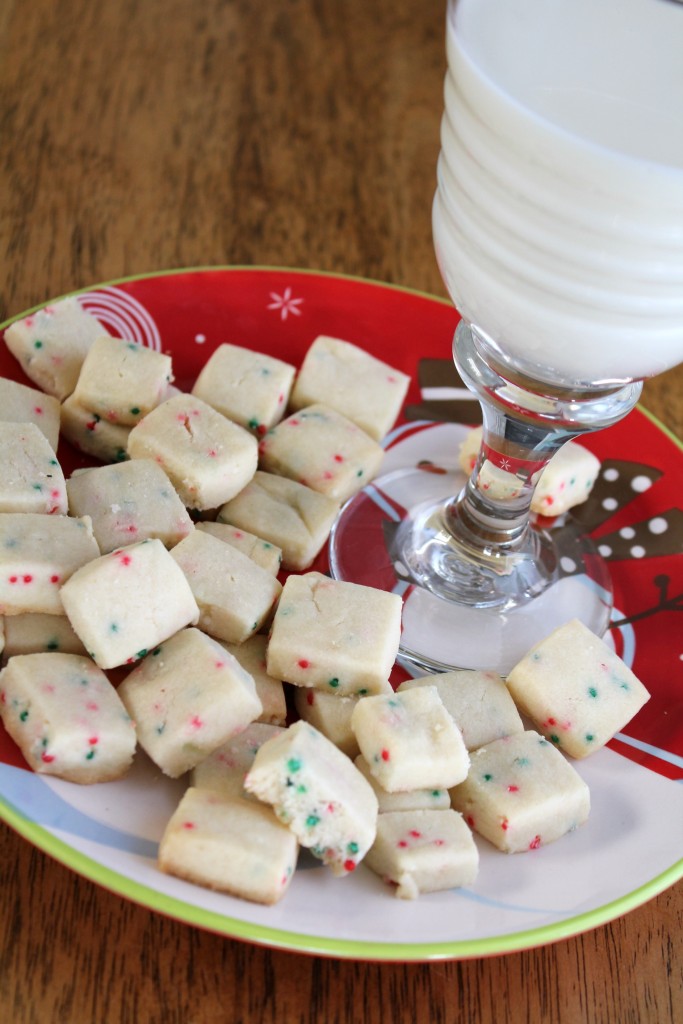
[{"x": 630, "y": 849}]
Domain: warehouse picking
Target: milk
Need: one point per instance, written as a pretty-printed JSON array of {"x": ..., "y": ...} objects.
[{"x": 558, "y": 219}]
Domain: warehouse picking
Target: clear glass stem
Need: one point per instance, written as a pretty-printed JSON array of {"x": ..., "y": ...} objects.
[{"x": 479, "y": 548}]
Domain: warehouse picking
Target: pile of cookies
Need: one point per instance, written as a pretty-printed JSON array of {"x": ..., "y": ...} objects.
[{"x": 164, "y": 564}]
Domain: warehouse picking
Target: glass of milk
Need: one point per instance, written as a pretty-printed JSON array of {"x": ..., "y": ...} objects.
[{"x": 558, "y": 229}]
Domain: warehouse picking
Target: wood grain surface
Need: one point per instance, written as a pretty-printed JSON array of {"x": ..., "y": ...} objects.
[{"x": 137, "y": 135}]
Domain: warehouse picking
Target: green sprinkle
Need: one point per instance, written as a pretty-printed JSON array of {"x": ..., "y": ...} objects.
[
  {"x": 589, "y": 737},
  {"x": 23, "y": 716},
  {"x": 156, "y": 651},
  {"x": 142, "y": 653},
  {"x": 360, "y": 472},
  {"x": 37, "y": 487},
  {"x": 301, "y": 788},
  {"x": 253, "y": 423},
  {"x": 89, "y": 756},
  {"x": 352, "y": 847},
  {"x": 362, "y": 692},
  {"x": 312, "y": 820},
  {"x": 293, "y": 764},
  {"x": 113, "y": 628},
  {"x": 555, "y": 739},
  {"x": 487, "y": 777},
  {"x": 592, "y": 692},
  {"x": 334, "y": 682},
  {"x": 37, "y": 344},
  {"x": 52, "y": 645},
  {"x": 135, "y": 411}
]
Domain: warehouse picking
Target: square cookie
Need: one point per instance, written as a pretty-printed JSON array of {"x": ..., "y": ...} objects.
[
  {"x": 263, "y": 552},
  {"x": 230, "y": 845},
  {"x": 340, "y": 374},
  {"x": 207, "y": 458},
  {"x": 22, "y": 404},
  {"x": 251, "y": 655},
  {"x": 124, "y": 603},
  {"x": 92, "y": 434},
  {"x": 66, "y": 717},
  {"x": 339, "y": 637},
  {"x": 576, "y": 690},
  {"x": 250, "y": 388},
  {"x": 129, "y": 502},
  {"x": 224, "y": 769},
  {"x": 478, "y": 702},
  {"x": 409, "y": 741},
  {"x": 235, "y": 595},
  {"x": 188, "y": 696},
  {"x": 318, "y": 793},
  {"x": 32, "y": 479},
  {"x": 38, "y": 553},
  {"x": 521, "y": 793},
  {"x": 423, "y": 851},
  {"x": 294, "y": 517},
  {"x": 435, "y": 799},
  {"x": 322, "y": 449},
  {"x": 52, "y": 343},
  {"x": 122, "y": 381},
  {"x": 39, "y": 633}
]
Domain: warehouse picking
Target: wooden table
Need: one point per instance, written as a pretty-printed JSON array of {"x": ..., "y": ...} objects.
[{"x": 140, "y": 134}]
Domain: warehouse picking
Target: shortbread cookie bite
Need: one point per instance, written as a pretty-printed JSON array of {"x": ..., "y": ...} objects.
[
  {"x": 353, "y": 382},
  {"x": 250, "y": 388},
  {"x": 294, "y": 517},
  {"x": 207, "y": 458},
  {"x": 230, "y": 845},
  {"x": 225, "y": 768},
  {"x": 126, "y": 602},
  {"x": 322, "y": 449},
  {"x": 423, "y": 851},
  {"x": 122, "y": 381},
  {"x": 251, "y": 655},
  {"x": 22, "y": 404},
  {"x": 567, "y": 480},
  {"x": 409, "y": 741},
  {"x": 129, "y": 502},
  {"x": 32, "y": 479},
  {"x": 521, "y": 793},
  {"x": 318, "y": 793},
  {"x": 263, "y": 552},
  {"x": 478, "y": 702},
  {"x": 188, "y": 696},
  {"x": 66, "y": 717},
  {"x": 330, "y": 714},
  {"x": 576, "y": 690},
  {"x": 92, "y": 434},
  {"x": 38, "y": 633},
  {"x": 407, "y": 800},
  {"x": 339, "y": 637},
  {"x": 38, "y": 553},
  {"x": 235, "y": 595},
  {"x": 52, "y": 343}
]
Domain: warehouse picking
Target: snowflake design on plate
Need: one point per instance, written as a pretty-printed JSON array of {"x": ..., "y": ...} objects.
[{"x": 285, "y": 303}]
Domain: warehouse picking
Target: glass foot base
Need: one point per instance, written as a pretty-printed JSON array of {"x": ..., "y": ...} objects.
[{"x": 440, "y": 633}]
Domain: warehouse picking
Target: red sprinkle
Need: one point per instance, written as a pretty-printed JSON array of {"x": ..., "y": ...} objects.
[
  {"x": 535, "y": 843},
  {"x": 513, "y": 789},
  {"x": 54, "y": 579},
  {"x": 303, "y": 663},
  {"x": 47, "y": 758},
  {"x": 349, "y": 865},
  {"x": 189, "y": 824},
  {"x": 310, "y": 698},
  {"x": 385, "y": 755}
]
